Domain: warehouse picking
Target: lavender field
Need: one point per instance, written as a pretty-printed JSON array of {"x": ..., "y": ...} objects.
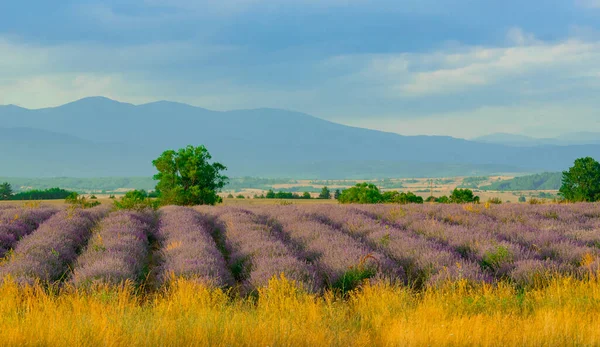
[{"x": 319, "y": 246}]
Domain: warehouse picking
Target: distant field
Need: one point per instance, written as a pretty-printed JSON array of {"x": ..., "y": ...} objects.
[{"x": 304, "y": 274}]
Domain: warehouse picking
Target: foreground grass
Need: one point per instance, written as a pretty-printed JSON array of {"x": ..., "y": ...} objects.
[{"x": 564, "y": 312}]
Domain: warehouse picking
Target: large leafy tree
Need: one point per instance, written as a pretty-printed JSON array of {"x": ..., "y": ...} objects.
[
  {"x": 362, "y": 193},
  {"x": 582, "y": 181},
  {"x": 6, "y": 191},
  {"x": 187, "y": 177}
]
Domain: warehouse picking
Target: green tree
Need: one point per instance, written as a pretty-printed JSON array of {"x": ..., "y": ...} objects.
[
  {"x": 186, "y": 177},
  {"x": 306, "y": 195},
  {"x": 396, "y": 197},
  {"x": 325, "y": 193},
  {"x": 361, "y": 193},
  {"x": 463, "y": 196},
  {"x": 337, "y": 194},
  {"x": 270, "y": 194},
  {"x": 582, "y": 181},
  {"x": 522, "y": 198},
  {"x": 6, "y": 191}
]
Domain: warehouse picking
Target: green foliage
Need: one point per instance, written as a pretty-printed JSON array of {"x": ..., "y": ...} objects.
[
  {"x": 285, "y": 195},
  {"x": 325, "y": 193},
  {"x": 135, "y": 200},
  {"x": 494, "y": 259},
  {"x": 463, "y": 196},
  {"x": 353, "y": 278},
  {"x": 582, "y": 181},
  {"x": 543, "y": 181},
  {"x": 48, "y": 194},
  {"x": 6, "y": 191},
  {"x": 186, "y": 177},
  {"x": 93, "y": 197},
  {"x": 81, "y": 201},
  {"x": 522, "y": 198},
  {"x": 229, "y": 196},
  {"x": 240, "y": 196},
  {"x": 495, "y": 200},
  {"x": 337, "y": 194},
  {"x": 443, "y": 200},
  {"x": 362, "y": 193},
  {"x": 395, "y": 197}
]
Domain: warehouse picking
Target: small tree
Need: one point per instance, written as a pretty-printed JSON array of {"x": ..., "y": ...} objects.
[
  {"x": 186, "y": 177},
  {"x": 306, "y": 195},
  {"x": 337, "y": 194},
  {"x": 6, "y": 191},
  {"x": 522, "y": 198},
  {"x": 463, "y": 196},
  {"x": 270, "y": 194},
  {"x": 582, "y": 181},
  {"x": 325, "y": 193}
]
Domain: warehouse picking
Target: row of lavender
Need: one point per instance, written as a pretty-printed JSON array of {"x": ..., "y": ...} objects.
[{"x": 318, "y": 246}]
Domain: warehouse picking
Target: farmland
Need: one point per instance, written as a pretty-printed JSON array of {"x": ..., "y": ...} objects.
[{"x": 301, "y": 274}]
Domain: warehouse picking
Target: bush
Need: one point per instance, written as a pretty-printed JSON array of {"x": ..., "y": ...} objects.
[
  {"x": 77, "y": 200},
  {"x": 240, "y": 196},
  {"x": 522, "y": 199},
  {"x": 229, "y": 196},
  {"x": 135, "y": 200},
  {"x": 495, "y": 200}
]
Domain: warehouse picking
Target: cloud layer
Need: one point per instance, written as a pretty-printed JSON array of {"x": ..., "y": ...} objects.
[{"x": 415, "y": 68}]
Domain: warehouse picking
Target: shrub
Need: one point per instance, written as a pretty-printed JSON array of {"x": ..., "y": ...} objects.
[
  {"x": 135, "y": 200},
  {"x": 77, "y": 200},
  {"x": 495, "y": 200}
]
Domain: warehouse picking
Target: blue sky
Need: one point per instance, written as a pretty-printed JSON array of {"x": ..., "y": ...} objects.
[{"x": 456, "y": 67}]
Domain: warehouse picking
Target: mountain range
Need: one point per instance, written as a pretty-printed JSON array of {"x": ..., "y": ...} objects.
[
  {"x": 576, "y": 138},
  {"x": 96, "y": 137}
]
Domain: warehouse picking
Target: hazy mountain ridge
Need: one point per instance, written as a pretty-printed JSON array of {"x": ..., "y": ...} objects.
[
  {"x": 120, "y": 139},
  {"x": 568, "y": 139}
]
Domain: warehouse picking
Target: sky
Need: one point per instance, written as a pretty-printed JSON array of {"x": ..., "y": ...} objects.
[{"x": 463, "y": 68}]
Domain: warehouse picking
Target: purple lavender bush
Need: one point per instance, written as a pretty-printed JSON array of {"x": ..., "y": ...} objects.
[
  {"x": 19, "y": 222},
  {"x": 188, "y": 249},
  {"x": 117, "y": 251},
  {"x": 257, "y": 252},
  {"x": 47, "y": 254}
]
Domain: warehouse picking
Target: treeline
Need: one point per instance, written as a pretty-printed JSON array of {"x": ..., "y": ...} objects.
[
  {"x": 6, "y": 193},
  {"x": 543, "y": 181},
  {"x": 366, "y": 193}
]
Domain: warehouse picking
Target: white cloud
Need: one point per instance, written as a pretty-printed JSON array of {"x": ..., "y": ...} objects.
[{"x": 465, "y": 69}]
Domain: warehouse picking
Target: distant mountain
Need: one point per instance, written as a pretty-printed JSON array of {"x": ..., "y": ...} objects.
[
  {"x": 569, "y": 139},
  {"x": 101, "y": 137}
]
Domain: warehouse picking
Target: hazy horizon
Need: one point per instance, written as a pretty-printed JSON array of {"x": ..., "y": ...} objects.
[{"x": 462, "y": 69}]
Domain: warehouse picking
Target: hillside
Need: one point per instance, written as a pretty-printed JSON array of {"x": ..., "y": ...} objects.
[
  {"x": 101, "y": 137},
  {"x": 543, "y": 181}
]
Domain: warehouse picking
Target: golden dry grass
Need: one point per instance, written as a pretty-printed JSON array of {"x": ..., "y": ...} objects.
[{"x": 564, "y": 312}]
